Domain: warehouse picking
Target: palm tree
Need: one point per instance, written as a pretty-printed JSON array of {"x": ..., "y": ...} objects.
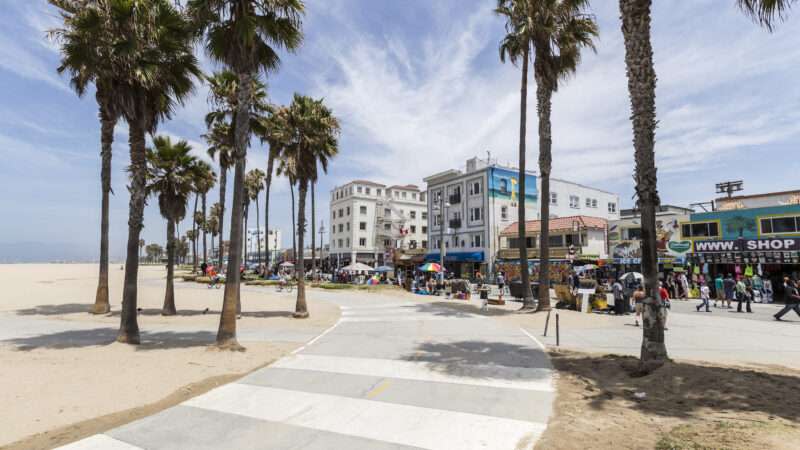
[
  {"x": 204, "y": 180},
  {"x": 171, "y": 175},
  {"x": 141, "y": 246},
  {"x": 554, "y": 31},
  {"x": 766, "y": 12},
  {"x": 269, "y": 122},
  {"x": 244, "y": 35},
  {"x": 153, "y": 43},
  {"x": 86, "y": 54},
  {"x": 218, "y": 139},
  {"x": 254, "y": 184},
  {"x": 308, "y": 136},
  {"x": 213, "y": 225}
]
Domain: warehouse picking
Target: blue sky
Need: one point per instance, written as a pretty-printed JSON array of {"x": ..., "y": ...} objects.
[{"x": 418, "y": 87}]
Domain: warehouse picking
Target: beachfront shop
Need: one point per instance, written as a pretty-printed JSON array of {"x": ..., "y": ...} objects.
[
  {"x": 747, "y": 241},
  {"x": 461, "y": 264}
]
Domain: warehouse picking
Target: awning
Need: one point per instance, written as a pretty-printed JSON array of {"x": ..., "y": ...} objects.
[{"x": 456, "y": 257}]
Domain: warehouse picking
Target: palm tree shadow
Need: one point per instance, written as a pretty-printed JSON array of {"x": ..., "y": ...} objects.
[
  {"x": 55, "y": 310},
  {"x": 74, "y": 308},
  {"x": 483, "y": 359},
  {"x": 104, "y": 336},
  {"x": 681, "y": 389}
]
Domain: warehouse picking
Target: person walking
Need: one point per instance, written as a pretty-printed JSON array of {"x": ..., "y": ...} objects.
[
  {"x": 729, "y": 285},
  {"x": 638, "y": 299},
  {"x": 619, "y": 297},
  {"x": 684, "y": 282},
  {"x": 705, "y": 294},
  {"x": 742, "y": 296},
  {"x": 664, "y": 295},
  {"x": 791, "y": 297},
  {"x": 719, "y": 291},
  {"x": 501, "y": 284}
]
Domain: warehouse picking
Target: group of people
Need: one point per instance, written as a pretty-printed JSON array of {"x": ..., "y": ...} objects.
[{"x": 629, "y": 297}]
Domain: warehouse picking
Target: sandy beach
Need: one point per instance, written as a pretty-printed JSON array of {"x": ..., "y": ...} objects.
[{"x": 65, "y": 377}]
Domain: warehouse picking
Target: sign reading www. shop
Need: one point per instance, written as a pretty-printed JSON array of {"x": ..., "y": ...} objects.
[{"x": 748, "y": 245}]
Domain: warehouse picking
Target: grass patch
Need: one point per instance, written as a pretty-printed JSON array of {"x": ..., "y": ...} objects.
[{"x": 259, "y": 282}]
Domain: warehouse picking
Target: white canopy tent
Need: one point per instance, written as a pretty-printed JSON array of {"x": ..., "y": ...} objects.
[{"x": 358, "y": 267}]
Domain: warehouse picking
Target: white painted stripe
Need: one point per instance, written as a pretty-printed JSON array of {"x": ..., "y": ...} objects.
[
  {"x": 301, "y": 348},
  {"x": 411, "y": 318},
  {"x": 99, "y": 442},
  {"x": 538, "y": 342},
  {"x": 393, "y": 310},
  {"x": 381, "y": 421},
  {"x": 378, "y": 306},
  {"x": 417, "y": 370}
]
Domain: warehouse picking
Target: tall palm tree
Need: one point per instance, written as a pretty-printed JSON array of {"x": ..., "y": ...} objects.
[
  {"x": 244, "y": 35},
  {"x": 154, "y": 44},
  {"x": 254, "y": 182},
  {"x": 219, "y": 147},
  {"x": 269, "y": 122},
  {"x": 308, "y": 136},
  {"x": 204, "y": 180},
  {"x": 171, "y": 172},
  {"x": 766, "y": 12},
  {"x": 86, "y": 54},
  {"x": 212, "y": 221},
  {"x": 552, "y": 33}
]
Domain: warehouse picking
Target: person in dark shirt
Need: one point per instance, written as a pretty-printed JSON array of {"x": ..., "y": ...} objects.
[
  {"x": 791, "y": 297},
  {"x": 729, "y": 285}
]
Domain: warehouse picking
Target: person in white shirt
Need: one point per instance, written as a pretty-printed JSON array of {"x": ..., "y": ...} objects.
[{"x": 705, "y": 297}]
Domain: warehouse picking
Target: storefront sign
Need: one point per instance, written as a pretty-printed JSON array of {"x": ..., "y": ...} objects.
[{"x": 748, "y": 245}]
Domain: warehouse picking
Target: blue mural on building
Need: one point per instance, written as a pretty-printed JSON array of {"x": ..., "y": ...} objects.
[
  {"x": 504, "y": 183},
  {"x": 753, "y": 223}
]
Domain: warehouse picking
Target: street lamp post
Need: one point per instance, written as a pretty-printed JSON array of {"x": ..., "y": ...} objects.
[
  {"x": 321, "y": 242},
  {"x": 443, "y": 210}
]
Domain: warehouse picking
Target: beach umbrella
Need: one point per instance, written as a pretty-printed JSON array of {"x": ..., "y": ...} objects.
[
  {"x": 384, "y": 269},
  {"x": 287, "y": 264},
  {"x": 430, "y": 267},
  {"x": 357, "y": 267},
  {"x": 636, "y": 275}
]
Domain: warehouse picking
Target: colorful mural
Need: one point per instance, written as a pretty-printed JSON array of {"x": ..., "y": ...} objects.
[
  {"x": 504, "y": 183},
  {"x": 743, "y": 223},
  {"x": 668, "y": 240}
]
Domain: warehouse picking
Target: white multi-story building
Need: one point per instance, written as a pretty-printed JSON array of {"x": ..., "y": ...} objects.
[
  {"x": 482, "y": 200},
  {"x": 370, "y": 220},
  {"x": 256, "y": 236}
]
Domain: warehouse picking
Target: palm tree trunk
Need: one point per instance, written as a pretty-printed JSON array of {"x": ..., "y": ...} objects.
[
  {"x": 246, "y": 213},
  {"x": 258, "y": 232},
  {"x": 267, "y": 184},
  {"x": 544, "y": 95},
  {"x": 205, "y": 250},
  {"x": 226, "y": 335},
  {"x": 313, "y": 232},
  {"x": 635, "y": 15},
  {"x": 194, "y": 234},
  {"x": 129, "y": 326},
  {"x": 294, "y": 229},
  {"x": 169, "y": 297},
  {"x": 300, "y": 309},
  {"x": 107, "y": 124},
  {"x": 223, "y": 181},
  {"x": 527, "y": 296}
]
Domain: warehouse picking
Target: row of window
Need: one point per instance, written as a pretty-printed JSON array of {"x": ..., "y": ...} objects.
[
  {"x": 475, "y": 215},
  {"x": 475, "y": 241},
  {"x": 575, "y": 202},
  {"x": 342, "y": 193},
  {"x": 769, "y": 225},
  {"x": 362, "y": 242},
  {"x": 559, "y": 240}
]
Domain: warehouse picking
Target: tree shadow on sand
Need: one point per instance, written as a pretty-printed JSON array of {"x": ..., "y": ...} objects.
[
  {"x": 683, "y": 389},
  {"x": 105, "y": 336},
  {"x": 483, "y": 359},
  {"x": 74, "y": 308},
  {"x": 55, "y": 310}
]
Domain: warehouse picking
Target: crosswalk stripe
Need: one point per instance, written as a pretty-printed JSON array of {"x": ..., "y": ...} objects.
[
  {"x": 412, "y": 318},
  {"x": 99, "y": 442},
  {"x": 539, "y": 378},
  {"x": 399, "y": 424}
]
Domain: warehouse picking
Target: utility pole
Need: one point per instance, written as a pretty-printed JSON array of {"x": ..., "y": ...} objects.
[
  {"x": 443, "y": 214},
  {"x": 321, "y": 242}
]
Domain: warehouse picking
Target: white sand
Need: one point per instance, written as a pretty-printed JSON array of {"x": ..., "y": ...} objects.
[{"x": 60, "y": 373}]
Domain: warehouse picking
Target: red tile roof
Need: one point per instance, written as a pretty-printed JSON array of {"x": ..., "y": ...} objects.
[{"x": 558, "y": 224}]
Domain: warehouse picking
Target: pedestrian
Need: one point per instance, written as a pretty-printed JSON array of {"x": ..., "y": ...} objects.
[
  {"x": 638, "y": 299},
  {"x": 619, "y": 297},
  {"x": 742, "y": 295},
  {"x": 705, "y": 293},
  {"x": 719, "y": 291},
  {"x": 792, "y": 299},
  {"x": 664, "y": 295},
  {"x": 684, "y": 283},
  {"x": 501, "y": 284},
  {"x": 729, "y": 285},
  {"x": 204, "y": 268}
]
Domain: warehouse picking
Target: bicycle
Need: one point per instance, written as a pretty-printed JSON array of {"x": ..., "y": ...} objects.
[{"x": 288, "y": 287}]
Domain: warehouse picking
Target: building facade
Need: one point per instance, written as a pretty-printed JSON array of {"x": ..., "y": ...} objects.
[
  {"x": 625, "y": 235},
  {"x": 369, "y": 221},
  {"x": 470, "y": 208}
]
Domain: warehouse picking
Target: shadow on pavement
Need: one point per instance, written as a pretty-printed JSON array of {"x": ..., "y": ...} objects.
[
  {"x": 73, "y": 308},
  {"x": 55, "y": 310},
  {"x": 465, "y": 309},
  {"x": 105, "y": 336},
  {"x": 482, "y": 359},
  {"x": 681, "y": 389}
]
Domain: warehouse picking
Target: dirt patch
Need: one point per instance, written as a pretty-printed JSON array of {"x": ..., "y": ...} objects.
[
  {"x": 683, "y": 405},
  {"x": 74, "y": 432}
]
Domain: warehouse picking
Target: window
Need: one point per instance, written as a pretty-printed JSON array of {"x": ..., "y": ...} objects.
[
  {"x": 363, "y": 210},
  {"x": 348, "y": 210},
  {"x": 504, "y": 212},
  {"x": 340, "y": 243},
  {"x": 530, "y": 242},
  {"x": 348, "y": 242},
  {"x": 378, "y": 192},
  {"x": 612, "y": 208},
  {"x": 424, "y": 230},
  {"x": 412, "y": 244},
  {"x": 437, "y": 220},
  {"x": 634, "y": 233},
  {"x": 556, "y": 241},
  {"x": 341, "y": 229},
  {"x": 424, "y": 215},
  {"x": 413, "y": 228},
  {"x": 706, "y": 229},
  {"x": 424, "y": 244},
  {"x": 387, "y": 242},
  {"x": 413, "y": 214},
  {"x": 404, "y": 194},
  {"x": 504, "y": 186},
  {"x": 422, "y": 198},
  {"x": 367, "y": 191},
  {"x": 588, "y": 202},
  {"x": 348, "y": 226},
  {"x": 341, "y": 212},
  {"x": 455, "y": 241},
  {"x": 475, "y": 188},
  {"x": 574, "y": 202},
  {"x": 387, "y": 212},
  {"x": 475, "y": 214},
  {"x": 554, "y": 198},
  {"x": 594, "y": 203},
  {"x": 358, "y": 189},
  {"x": 780, "y": 225},
  {"x": 476, "y": 240},
  {"x": 362, "y": 242},
  {"x": 414, "y": 195},
  {"x": 396, "y": 194},
  {"x": 387, "y": 226},
  {"x": 362, "y": 226}
]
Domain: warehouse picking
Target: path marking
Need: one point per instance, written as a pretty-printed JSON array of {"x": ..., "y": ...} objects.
[
  {"x": 99, "y": 442},
  {"x": 388, "y": 422},
  {"x": 538, "y": 342},
  {"x": 382, "y": 386},
  {"x": 532, "y": 379},
  {"x": 302, "y": 347}
]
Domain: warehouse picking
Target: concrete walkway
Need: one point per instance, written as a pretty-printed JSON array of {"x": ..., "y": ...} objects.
[{"x": 391, "y": 374}]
